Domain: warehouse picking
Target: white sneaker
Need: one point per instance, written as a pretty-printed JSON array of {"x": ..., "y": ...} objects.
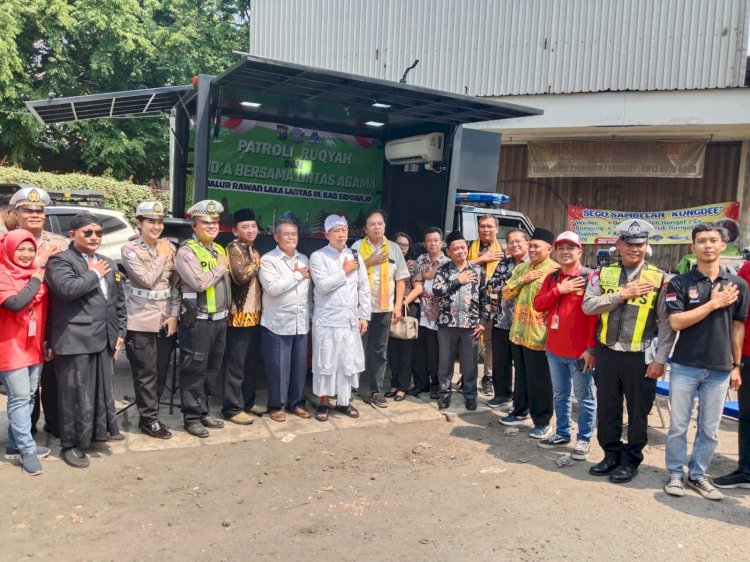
[
  {"x": 581, "y": 452},
  {"x": 705, "y": 488},
  {"x": 675, "y": 486}
]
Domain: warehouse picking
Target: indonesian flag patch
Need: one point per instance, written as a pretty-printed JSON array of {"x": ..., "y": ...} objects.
[{"x": 670, "y": 297}]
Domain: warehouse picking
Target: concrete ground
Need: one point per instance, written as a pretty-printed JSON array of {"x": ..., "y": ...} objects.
[{"x": 406, "y": 482}]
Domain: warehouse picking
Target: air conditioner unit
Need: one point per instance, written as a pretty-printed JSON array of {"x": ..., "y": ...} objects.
[{"x": 415, "y": 150}]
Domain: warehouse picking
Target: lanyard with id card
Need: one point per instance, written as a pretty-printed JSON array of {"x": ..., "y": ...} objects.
[{"x": 32, "y": 323}]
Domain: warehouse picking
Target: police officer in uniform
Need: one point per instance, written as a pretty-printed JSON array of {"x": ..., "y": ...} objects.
[
  {"x": 29, "y": 205},
  {"x": 629, "y": 297},
  {"x": 203, "y": 269},
  {"x": 153, "y": 308}
]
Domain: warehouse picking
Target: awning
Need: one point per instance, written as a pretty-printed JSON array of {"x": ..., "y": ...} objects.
[
  {"x": 116, "y": 104},
  {"x": 403, "y": 105},
  {"x": 290, "y": 91}
]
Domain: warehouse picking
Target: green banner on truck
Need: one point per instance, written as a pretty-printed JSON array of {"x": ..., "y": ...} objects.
[{"x": 302, "y": 174}]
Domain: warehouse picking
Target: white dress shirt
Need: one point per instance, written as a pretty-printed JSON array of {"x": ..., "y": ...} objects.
[
  {"x": 287, "y": 296},
  {"x": 102, "y": 280}
]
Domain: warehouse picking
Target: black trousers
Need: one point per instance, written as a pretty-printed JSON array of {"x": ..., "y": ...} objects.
[
  {"x": 46, "y": 398},
  {"x": 502, "y": 367},
  {"x": 86, "y": 404},
  {"x": 375, "y": 344},
  {"x": 201, "y": 351},
  {"x": 399, "y": 362},
  {"x": 461, "y": 340},
  {"x": 743, "y": 433},
  {"x": 539, "y": 385},
  {"x": 242, "y": 369},
  {"x": 623, "y": 374},
  {"x": 149, "y": 354},
  {"x": 285, "y": 363},
  {"x": 520, "y": 392},
  {"x": 425, "y": 358}
]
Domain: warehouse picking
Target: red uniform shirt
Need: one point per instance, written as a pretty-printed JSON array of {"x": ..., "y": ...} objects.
[
  {"x": 575, "y": 330},
  {"x": 744, "y": 272}
]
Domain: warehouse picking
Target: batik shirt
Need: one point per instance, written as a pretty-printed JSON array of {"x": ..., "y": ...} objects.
[
  {"x": 429, "y": 306},
  {"x": 503, "y": 271},
  {"x": 244, "y": 264},
  {"x": 529, "y": 327},
  {"x": 461, "y": 306}
]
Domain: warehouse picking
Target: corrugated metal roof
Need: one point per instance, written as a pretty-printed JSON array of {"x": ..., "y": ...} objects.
[{"x": 514, "y": 47}]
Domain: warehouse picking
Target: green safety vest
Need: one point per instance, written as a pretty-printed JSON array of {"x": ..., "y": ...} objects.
[
  {"x": 634, "y": 321},
  {"x": 206, "y": 301}
]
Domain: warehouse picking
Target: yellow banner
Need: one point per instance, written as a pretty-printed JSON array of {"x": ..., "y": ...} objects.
[{"x": 597, "y": 226}]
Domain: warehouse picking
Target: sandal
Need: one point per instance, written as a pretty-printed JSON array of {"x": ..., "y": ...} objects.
[
  {"x": 399, "y": 396},
  {"x": 391, "y": 392},
  {"x": 321, "y": 413},
  {"x": 349, "y": 410}
]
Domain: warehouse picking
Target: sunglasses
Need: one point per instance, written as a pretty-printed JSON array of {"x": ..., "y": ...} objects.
[{"x": 89, "y": 231}]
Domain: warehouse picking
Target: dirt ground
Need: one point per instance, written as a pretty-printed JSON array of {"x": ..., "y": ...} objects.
[{"x": 399, "y": 487}]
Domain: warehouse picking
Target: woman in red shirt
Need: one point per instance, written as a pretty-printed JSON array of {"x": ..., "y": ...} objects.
[{"x": 23, "y": 323}]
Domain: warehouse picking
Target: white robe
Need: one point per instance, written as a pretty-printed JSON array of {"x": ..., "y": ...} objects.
[{"x": 340, "y": 302}]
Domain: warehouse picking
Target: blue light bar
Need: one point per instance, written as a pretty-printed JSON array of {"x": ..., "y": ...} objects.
[{"x": 486, "y": 198}]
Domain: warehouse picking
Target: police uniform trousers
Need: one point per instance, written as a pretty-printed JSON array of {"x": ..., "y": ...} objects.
[
  {"x": 149, "y": 354},
  {"x": 621, "y": 374},
  {"x": 201, "y": 351}
]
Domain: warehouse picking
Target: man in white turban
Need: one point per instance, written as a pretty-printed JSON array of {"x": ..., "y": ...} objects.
[{"x": 341, "y": 313}]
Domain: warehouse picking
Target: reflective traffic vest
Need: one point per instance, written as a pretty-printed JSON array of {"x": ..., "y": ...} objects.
[
  {"x": 206, "y": 301},
  {"x": 633, "y": 323}
]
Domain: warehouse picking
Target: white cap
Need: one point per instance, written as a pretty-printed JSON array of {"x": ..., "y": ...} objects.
[
  {"x": 31, "y": 197},
  {"x": 332, "y": 221},
  {"x": 150, "y": 209},
  {"x": 635, "y": 231},
  {"x": 568, "y": 236},
  {"x": 208, "y": 208}
]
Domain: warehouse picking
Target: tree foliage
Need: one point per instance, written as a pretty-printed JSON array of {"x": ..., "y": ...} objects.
[{"x": 79, "y": 47}]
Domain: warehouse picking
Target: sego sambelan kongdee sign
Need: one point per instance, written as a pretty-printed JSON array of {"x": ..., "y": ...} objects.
[
  {"x": 597, "y": 226},
  {"x": 284, "y": 171}
]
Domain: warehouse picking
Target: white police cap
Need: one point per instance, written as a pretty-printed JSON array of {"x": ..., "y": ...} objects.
[
  {"x": 31, "y": 198},
  {"x": 150, "y": 209},
  {"x": 634, "y": 231},
  {"x": 208, "y": 208}
]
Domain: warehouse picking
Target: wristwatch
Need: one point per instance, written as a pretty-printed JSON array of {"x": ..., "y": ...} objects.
[{"x": 737, "y": 365}]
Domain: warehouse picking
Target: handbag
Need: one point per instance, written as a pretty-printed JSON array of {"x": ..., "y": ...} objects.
[{"x": 406, "y": 328}]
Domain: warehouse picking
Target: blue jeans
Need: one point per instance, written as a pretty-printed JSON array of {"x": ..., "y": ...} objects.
[
  {"x": 711, "y": 386},
  {"x": 20, "y": 385},
  {"x": 564, "y": 374}
]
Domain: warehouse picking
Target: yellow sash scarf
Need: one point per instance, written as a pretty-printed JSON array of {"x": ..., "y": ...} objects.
[
  {"x": 489, "y": 267},
  {"x": 366, "y": 250}
]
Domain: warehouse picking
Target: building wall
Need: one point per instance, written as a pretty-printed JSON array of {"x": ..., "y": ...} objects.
[
  {"x": 545, "y": 200},
  {"x": 514, "y": 47}
]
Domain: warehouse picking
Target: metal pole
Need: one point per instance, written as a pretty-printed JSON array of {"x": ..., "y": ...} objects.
[{"x": 202, "y": 133}]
